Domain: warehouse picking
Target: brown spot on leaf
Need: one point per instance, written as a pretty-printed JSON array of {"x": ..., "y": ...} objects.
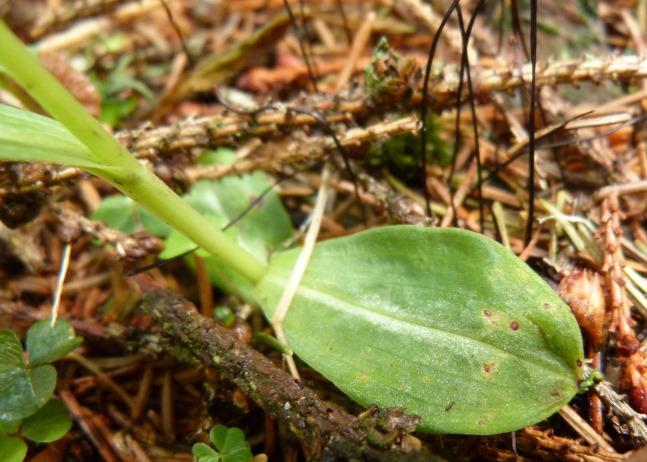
[
  {"x": 579, "y": 363},
  {"x": 480, "y": 422},
  {"x": 487, "y": 313},
  {"x": 548, "y": 306},
  {"x": 488, "y": 368},
  {"x": 514, "y": 325}
]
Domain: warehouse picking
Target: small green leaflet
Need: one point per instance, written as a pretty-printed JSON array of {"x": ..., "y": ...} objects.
[
  {"x": 445, "y": 323},
  {"x": 22, "y": 390},
  {"x": 49, "y": 423},
  {"x": 230, "y": 443},
  {"x": 26, "y": 388}
]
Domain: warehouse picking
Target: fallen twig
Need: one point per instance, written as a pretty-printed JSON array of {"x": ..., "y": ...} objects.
[{"x": 329, "y": 432}]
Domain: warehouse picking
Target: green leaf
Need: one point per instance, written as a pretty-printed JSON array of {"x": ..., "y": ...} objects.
[
  {"x": 122, "y": 213},
  {"x": 49, "y": 423},
  {"x": 260, "y": 231},
  {"x": 46, "y": 344},
  {"x": 152, "y": 223},
  {"x": 12, "y": 449},
  {"x": 241, "y": 453},
  {"x": 10, "y": 426},
  {"x": 264, "y": 227},
  {"x": 224, "y": 314},
  {"x": 204, "y": 453},
  {"x": 24, "y": 391},
  {"x": 29, "y": 137},
  {"x": 445, "y": 323},
  {"x": 231, "y": 444},
  {"x": 226, "y": 438},
  {"x": 113, "y": 111},
  {"x": 11, "y": 354},
  {"x": 117, "y": 213},
  {"x": 25, "y": 136}
]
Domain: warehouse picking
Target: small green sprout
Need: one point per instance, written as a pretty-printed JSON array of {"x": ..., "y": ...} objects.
[
  {"x": 230, "y": 446},
  {"x": 591, "y": 377}
]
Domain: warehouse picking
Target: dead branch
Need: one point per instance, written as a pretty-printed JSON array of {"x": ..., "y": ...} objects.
[{"x": 330, "y": 433}]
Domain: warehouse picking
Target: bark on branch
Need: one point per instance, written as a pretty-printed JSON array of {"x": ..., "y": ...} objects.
[{"x": 329, "y": 433}]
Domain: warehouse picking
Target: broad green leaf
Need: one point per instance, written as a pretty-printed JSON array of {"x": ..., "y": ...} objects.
[
  {"x": 24, "y": 391},
  {"x": 11, "y": 354},
  {"x": 12, "y": 449},
  {"x": 46, "y": 344},
  {"x": 204, "y": 453},
  {"x": 49, "y": 423},
  {"x": 445, "y": 323},
  {"x": 10, "y": 426}
]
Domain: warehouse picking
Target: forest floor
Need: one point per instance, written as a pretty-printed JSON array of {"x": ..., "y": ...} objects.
[{"x": 174, "y": 79}]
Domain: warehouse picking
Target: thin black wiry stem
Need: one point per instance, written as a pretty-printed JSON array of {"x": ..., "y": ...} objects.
[
  {"x": 321, "y": 121},
  {"x": 424, "y": 105},
  {"x": 558, "y": 144},
  {"x": 531, "y": 122},
  {"x": 178, "y": 31},
  {"x": 299, "y": 33},
  {"x": 327, "y": 129},
  {"x": 465, "y": 70}
]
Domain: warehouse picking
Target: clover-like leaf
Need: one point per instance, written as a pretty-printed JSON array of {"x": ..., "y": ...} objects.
[
  {"x": 445, "y": 323},
  {"x": 12, "y": 449},
  {"x": 11, "y": 354},
  {"x": 231, "y": 444},
  {"x": 46, "y": 344},
  {"x": 10, "y": 426},
  {"x": 204, "y": 453},
  {"x": 49, "y": 423},
  {"x": 23, "y": 391}
]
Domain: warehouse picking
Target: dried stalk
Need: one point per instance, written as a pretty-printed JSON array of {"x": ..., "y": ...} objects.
[
  {"x": 547, "y": 445},
  {"x": 628, "y": 346},
  {"x": 629, "y": 419},
  {"x": 307, "y": 149},
  {"x": 358, "y": 105},
  {"x": 355, "y": 107}
]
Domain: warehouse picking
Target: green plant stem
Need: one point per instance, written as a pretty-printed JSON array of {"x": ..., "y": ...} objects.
[{"x": 138, "y": 182}]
